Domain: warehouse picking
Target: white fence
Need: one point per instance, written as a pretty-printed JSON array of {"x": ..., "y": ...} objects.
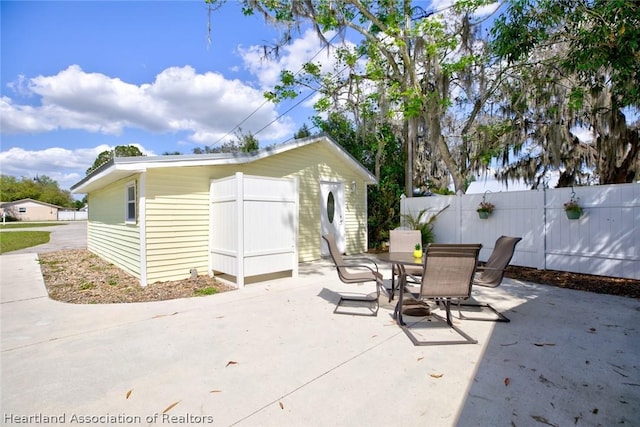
[
  {"x": 604, "y": 241},
  {"x": 72, "y": 215},
  {"x": 254, "y": 226}
]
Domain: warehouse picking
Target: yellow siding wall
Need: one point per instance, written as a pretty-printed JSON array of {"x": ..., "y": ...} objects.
[
  {"x": 177, "y": 212},
  {"x": 107, "y": 234},
  {"x": 311, "y": 164},
  {"x": 177, "y": 208},
  {"x": 177, "y": 221}
]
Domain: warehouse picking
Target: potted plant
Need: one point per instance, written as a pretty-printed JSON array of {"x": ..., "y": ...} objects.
[
  {"x": 417, "y": 223},
  {"x": 572, "y": 208},
  {"x": 417, "y": 252},
  {"x": 485, "y": 209}
]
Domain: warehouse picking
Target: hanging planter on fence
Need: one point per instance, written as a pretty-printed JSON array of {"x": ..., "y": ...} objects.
[
  {"x": 573, "y": 214},
  {"x": 485, "y": 208},
  {"x": 572, "y": 208}
]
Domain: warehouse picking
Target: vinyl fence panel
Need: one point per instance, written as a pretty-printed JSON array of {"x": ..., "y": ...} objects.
[
  {"x": 72, "y": 215},
  {"x": 604, "y": 241}
]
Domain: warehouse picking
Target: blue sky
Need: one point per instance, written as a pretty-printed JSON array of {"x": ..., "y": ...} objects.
[{"x": 80, "y": 77}]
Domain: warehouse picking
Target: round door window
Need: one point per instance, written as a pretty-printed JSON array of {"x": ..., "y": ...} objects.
[{"x": 331, "y": 207}]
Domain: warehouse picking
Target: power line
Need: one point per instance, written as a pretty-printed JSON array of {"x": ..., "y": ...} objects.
[
  {"x": 313, "y": 91},
  {"x": 423, "y": 14},
  {"x": 265, "y": 101}
]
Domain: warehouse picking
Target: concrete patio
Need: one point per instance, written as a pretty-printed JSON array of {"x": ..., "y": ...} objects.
[{"x": 275, "y": 354}]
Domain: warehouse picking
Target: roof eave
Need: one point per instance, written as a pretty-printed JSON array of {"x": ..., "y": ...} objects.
[
  {"x": 113, "y": 173},
  {"x": 121, "y": 167}
]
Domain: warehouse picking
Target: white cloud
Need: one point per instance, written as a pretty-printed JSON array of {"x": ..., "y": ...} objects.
[
  {"x": 65, "y": 166},
  {"x": 487, "y": 182},
  {"x": 485, "y": 10},
  {"x": 178, "y": 100},
  {"x": 307, "y": 48},
  {"x": 198, "y": 108}
]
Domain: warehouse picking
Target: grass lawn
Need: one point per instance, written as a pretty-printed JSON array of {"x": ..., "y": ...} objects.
[
  {"x": 29, "y": 224},
  {"x": 22, "y": 239}
]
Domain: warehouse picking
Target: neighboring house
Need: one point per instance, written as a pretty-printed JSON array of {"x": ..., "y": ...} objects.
[
  {"x": 152, "y": 216},
  {"x": 31, "y": 210}
]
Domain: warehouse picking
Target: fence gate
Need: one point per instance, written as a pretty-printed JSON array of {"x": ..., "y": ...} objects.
[{"x": 253, "y": 226}]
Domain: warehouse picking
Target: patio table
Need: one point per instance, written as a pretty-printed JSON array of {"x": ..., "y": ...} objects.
[{"x": 400, "y": 259}]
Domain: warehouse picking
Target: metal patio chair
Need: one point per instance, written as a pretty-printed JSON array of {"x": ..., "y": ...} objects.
[
  {"x": 447, "y": 276},
  {"x": 355, "y": 270},
  {"x": 490, "y": 274}
]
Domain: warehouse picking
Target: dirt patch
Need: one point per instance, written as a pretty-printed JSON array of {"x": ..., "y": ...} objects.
[
  {"x": 78, "y": 276},
  {"x": 583, "y": 282}
]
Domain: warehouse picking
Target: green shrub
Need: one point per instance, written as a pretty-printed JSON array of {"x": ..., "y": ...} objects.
[
  {"x": 209, "y": 290},
  {"x": 425, "y": 227}
]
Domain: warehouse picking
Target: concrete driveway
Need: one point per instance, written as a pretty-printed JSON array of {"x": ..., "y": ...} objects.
[
  {"x": 275, "y": 354},
  {"x": 71, "y": 235}
]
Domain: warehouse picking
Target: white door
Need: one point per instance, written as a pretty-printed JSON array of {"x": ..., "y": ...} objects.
[{"x": 332, "y": 214}]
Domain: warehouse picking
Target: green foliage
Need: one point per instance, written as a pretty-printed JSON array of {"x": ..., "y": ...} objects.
[
  {"x": 31, "y": 225},
  {"x": 601, "y": 34},
  {"x": 85, "y": 286},
  {"x": 419, "y": 223},
  {"x": 442, "y": 191},
  {"x": 209, "y": 290},
  {"x": 247, "y": 142},
  {"x": 413, "y": 57},
  {"x": 573, "y": 205},
  {"x": 383, "y": 200},
  {"x": 14, "y": 240},
  {"x": 41, "y": 188},
  {"x": 303, "y": 132},
  {"x": 118, "y": 151},
  {"x": 79, "y": 204},
  {"x": 243, "y": 143},
  {"x": 578, "y": 64},
  {"x": 485, "y": 207}
]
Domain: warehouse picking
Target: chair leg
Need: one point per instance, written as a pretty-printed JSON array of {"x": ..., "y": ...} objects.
[
  {"x": 375, "y": 302},
  {"x": 372, "y": 301},
  {"x": 393, "y": 284},
  {"x": 447, "y": 305},
  {"x": 499, "y": 316}
]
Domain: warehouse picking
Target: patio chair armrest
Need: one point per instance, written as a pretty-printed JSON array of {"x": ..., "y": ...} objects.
[
  {"x": 358, "y": 266},
  {"x": 368, "y": 260}
]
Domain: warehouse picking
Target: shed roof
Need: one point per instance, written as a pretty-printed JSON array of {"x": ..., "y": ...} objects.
[
  {"x": 122, "y": 167},
  {"x": 22, "y": 201}
]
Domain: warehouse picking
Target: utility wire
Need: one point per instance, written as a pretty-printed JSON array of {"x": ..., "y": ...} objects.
[
  {"x": 266, "y": 101},
  {"x": 424, "y": 14}
]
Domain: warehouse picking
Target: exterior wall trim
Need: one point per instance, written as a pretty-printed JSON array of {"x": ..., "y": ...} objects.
[{"x": 142, "y": 226}]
